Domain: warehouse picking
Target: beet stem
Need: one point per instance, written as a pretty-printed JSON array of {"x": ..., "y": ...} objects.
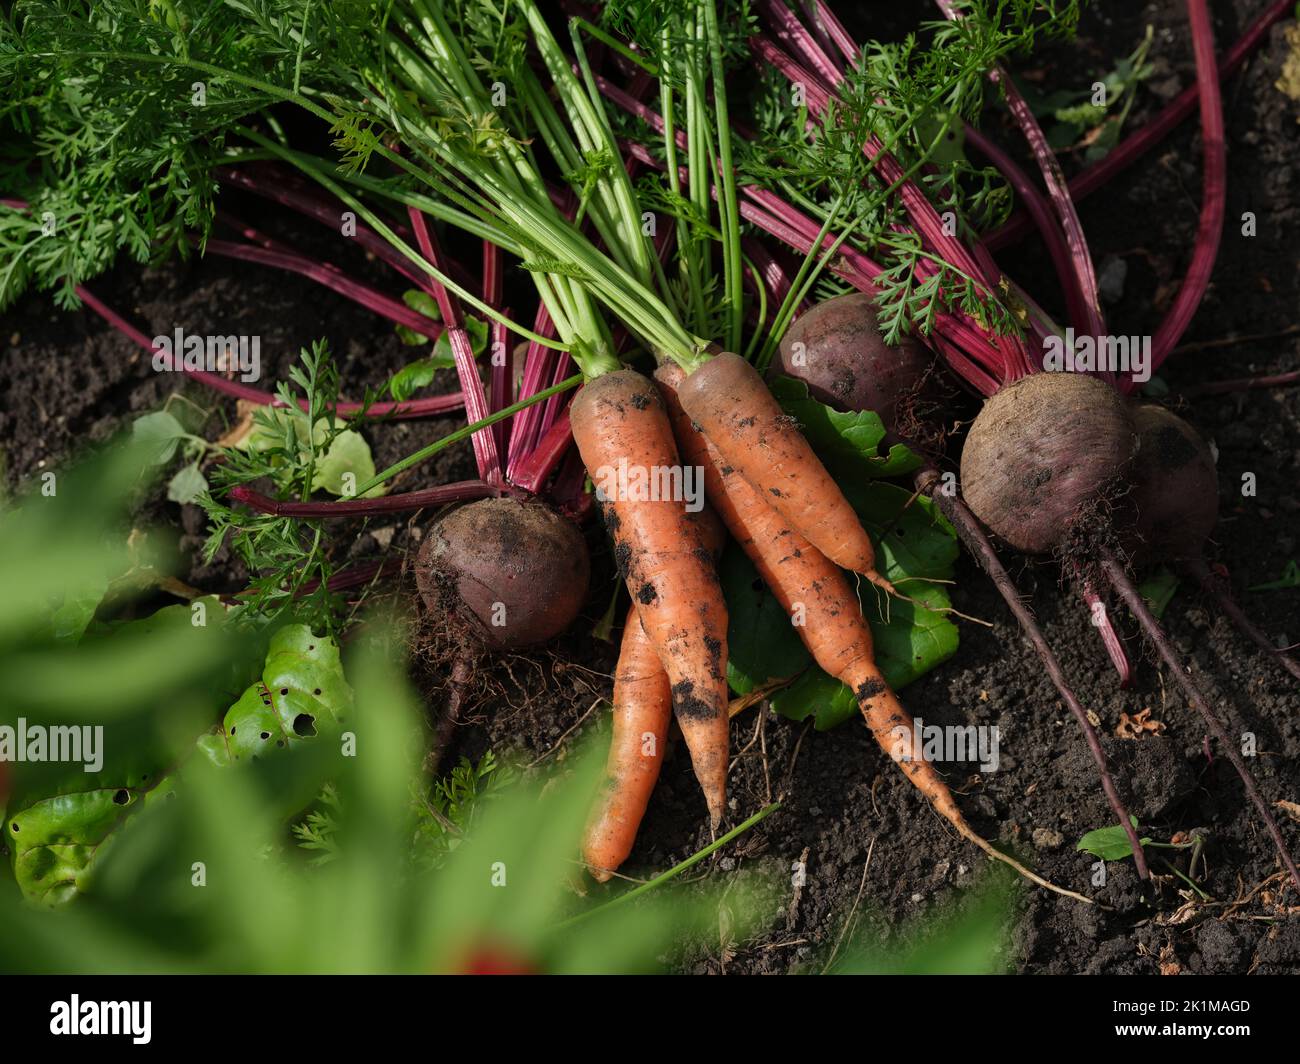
[
  {"x": 1041, "y": 212},
  {"x": 486, "y": 454},
  {"x": 968, "y": 528},
  {"x": 461, "y": 491},
  {"x": 1214, "y": 186},
  {"x": 1058, "y": 191},
  {"x": 1146, "y": 137},
  {"x": 1223, "y": 596},
  {"x": 437, "y": 404},
  {"x": 285, "y": 188},
  {"x": 501, "y": 385},
  {"x": 1109, "y": 637},
  {"x": 330, "y": 277},
  {"x": 1119, "y": 580},
  {"x": 1242, "y": 384}
]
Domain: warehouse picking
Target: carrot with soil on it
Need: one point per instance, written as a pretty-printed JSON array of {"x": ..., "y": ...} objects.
[
  {"x": 619, "y": 418},
  {"x": 642, "y": 711},
  {"x": 727, "y": 398},
  {"x": 642, "y": 708},
  {"x": 834, "y": 630}
]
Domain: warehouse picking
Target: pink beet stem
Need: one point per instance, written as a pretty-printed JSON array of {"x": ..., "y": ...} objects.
[
  {"x": 438, "y": 404},
  {"x": 501, "y": 383},
  {"x": 461, "y": 491},
  {"x": 1142, "y": 140},
  {"x": 1214, "y": 185},
  {"x": 476, "y": 404},
  {"x": 331, "y": 277}
]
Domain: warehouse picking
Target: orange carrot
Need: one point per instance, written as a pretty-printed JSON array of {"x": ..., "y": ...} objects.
[
  {"x": 619, "y": 423},
  {"x": 729, "y": 402},
  {"x": 642, "y": 709},
  {"x": 812, "y": 587}
]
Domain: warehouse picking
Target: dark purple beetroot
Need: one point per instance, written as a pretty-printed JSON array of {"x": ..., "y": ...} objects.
[
  {"x": 515, "y": 572},
  {"x": 1042, "y": 453},
  {"x": 1175, "y": 487},
  {"x": 845, "y": 362}
]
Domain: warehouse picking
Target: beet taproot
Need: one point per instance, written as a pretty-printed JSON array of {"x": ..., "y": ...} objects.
[
  {"x": 515, "y": 572},
  {"x": 1043, "y": 452},
  {"x": 836, "y": 348},
  {"x": 1175, "y": 494}
]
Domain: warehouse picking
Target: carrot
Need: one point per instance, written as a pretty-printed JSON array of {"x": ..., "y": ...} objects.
[
  {"x": 642, "y": 709},
  {"x": 806, "y": 582},
  {"x": 732, "y": 406},
  {"x": 619, "y": 421}
]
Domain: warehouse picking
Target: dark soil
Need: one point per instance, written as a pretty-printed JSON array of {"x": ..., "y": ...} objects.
[{"x": 68, "y": 381}]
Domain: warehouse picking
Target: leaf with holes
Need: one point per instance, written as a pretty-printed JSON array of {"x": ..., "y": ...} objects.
[
  {"x": 56, "y": 831},
  {"x": 301, "y": 694}
]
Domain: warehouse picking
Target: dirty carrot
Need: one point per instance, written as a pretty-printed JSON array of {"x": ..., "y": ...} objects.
[
  {"x": 619, "y": 422},
  {"x": 834, "y": 631},
  {"x": 642, "y": 710},
  {"x": 728, "y": 400}
]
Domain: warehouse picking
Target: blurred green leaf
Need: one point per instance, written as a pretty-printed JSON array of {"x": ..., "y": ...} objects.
[
  {"x": 970, "y": 939},
  {"x": 187, "y": 484},
  {"x": 160, "y": 434}
]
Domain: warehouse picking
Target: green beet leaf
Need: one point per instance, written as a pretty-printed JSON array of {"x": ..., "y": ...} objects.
[
  {"x": 301, "y": 694},
  {"x": 761, "y": 643},
  {"x": 915, "y": 546},
  {"x": 1110, "y": 844},
  {"x": 847, "y": 443}
]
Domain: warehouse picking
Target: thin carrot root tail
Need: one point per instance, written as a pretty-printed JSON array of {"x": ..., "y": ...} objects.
[
  {"x": 715, "y": 797},
  {"x": 885, "y": 585},
  {"x": 892, "y": 727},
  {"x": 600, "y": 875},
  {"x": 969, "y": 833}
]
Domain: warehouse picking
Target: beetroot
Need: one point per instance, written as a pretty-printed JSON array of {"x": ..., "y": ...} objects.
[
  {"x": 515, "y": 572},
  {"x": 1175, "y": 487},
  {"x": 846, "y": 363},
  {"x": 1042, "y": 453}
]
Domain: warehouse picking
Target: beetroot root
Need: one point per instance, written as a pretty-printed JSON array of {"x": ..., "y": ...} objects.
[
  {"x": 515, "y": 572},
  {"x": 1042, "y": 452},
  {"x": 837, "y": 350}
]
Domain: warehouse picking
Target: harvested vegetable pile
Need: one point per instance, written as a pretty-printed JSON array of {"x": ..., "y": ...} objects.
[{"x": 716, "y": 372}]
